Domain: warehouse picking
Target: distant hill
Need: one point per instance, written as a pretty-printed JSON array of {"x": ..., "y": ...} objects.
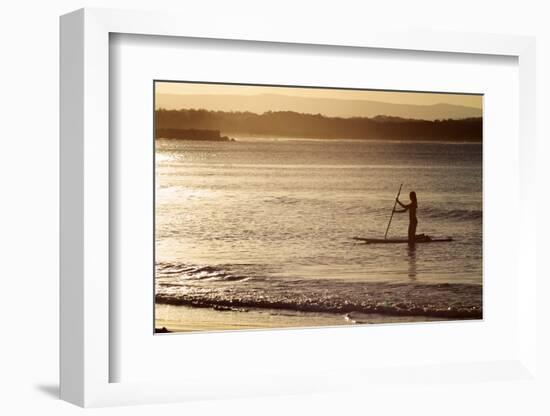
[
  {"x": 327, "y": 106},
  {"x": 292, "y": 124}
]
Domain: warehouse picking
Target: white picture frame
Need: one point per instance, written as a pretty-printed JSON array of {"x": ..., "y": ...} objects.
[{"x": 85, "y": 220}]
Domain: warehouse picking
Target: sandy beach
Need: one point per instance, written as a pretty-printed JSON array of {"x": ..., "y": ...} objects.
[{"x": 187, "y": 319}]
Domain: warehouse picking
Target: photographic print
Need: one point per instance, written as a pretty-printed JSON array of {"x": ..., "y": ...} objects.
[{"x": 293, "y": 207}]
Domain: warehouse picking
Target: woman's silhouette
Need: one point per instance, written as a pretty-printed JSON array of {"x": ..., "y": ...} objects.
[{"x": 413, "y": 221}]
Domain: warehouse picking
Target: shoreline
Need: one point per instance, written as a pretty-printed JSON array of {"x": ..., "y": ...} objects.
[
  {"x": 178, "y": 318},
  {"x": 236, "y": 137}
]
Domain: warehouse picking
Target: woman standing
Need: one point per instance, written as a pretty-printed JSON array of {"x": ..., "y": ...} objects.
[{"x": 413, "y": 221}]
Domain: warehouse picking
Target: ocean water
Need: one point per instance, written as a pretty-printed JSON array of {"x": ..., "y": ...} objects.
[{"x": 268, "y": 224}]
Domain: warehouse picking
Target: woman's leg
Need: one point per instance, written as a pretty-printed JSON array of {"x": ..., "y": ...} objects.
[{"x": 412, "y": 231}]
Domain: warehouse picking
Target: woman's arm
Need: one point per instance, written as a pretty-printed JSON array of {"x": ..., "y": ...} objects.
[{"x": 402, "y": 204}]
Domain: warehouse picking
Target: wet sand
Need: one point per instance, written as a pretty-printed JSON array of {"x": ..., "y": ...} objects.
[{"x": 185, "y": 319}]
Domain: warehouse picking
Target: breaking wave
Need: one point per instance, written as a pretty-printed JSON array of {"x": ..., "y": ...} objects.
[
  {"x": 195, "y": 272},
  {"x": 209, "y": 287}
]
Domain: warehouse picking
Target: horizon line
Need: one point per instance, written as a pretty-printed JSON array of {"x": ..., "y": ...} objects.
[{"x": 316, "y": 114}]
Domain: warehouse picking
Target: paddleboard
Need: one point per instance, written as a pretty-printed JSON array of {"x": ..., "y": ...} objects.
[{"x": 403, "y": 240}]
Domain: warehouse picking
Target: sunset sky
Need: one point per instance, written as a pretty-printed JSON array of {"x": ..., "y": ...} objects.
[{"x": 330, "y": 102}]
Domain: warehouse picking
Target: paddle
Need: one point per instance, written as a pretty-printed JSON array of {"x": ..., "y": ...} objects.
[{"x": 393, "y": 210}]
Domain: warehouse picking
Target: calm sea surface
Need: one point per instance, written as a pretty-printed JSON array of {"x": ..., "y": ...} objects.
[{"x": 268, "y": 223}]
